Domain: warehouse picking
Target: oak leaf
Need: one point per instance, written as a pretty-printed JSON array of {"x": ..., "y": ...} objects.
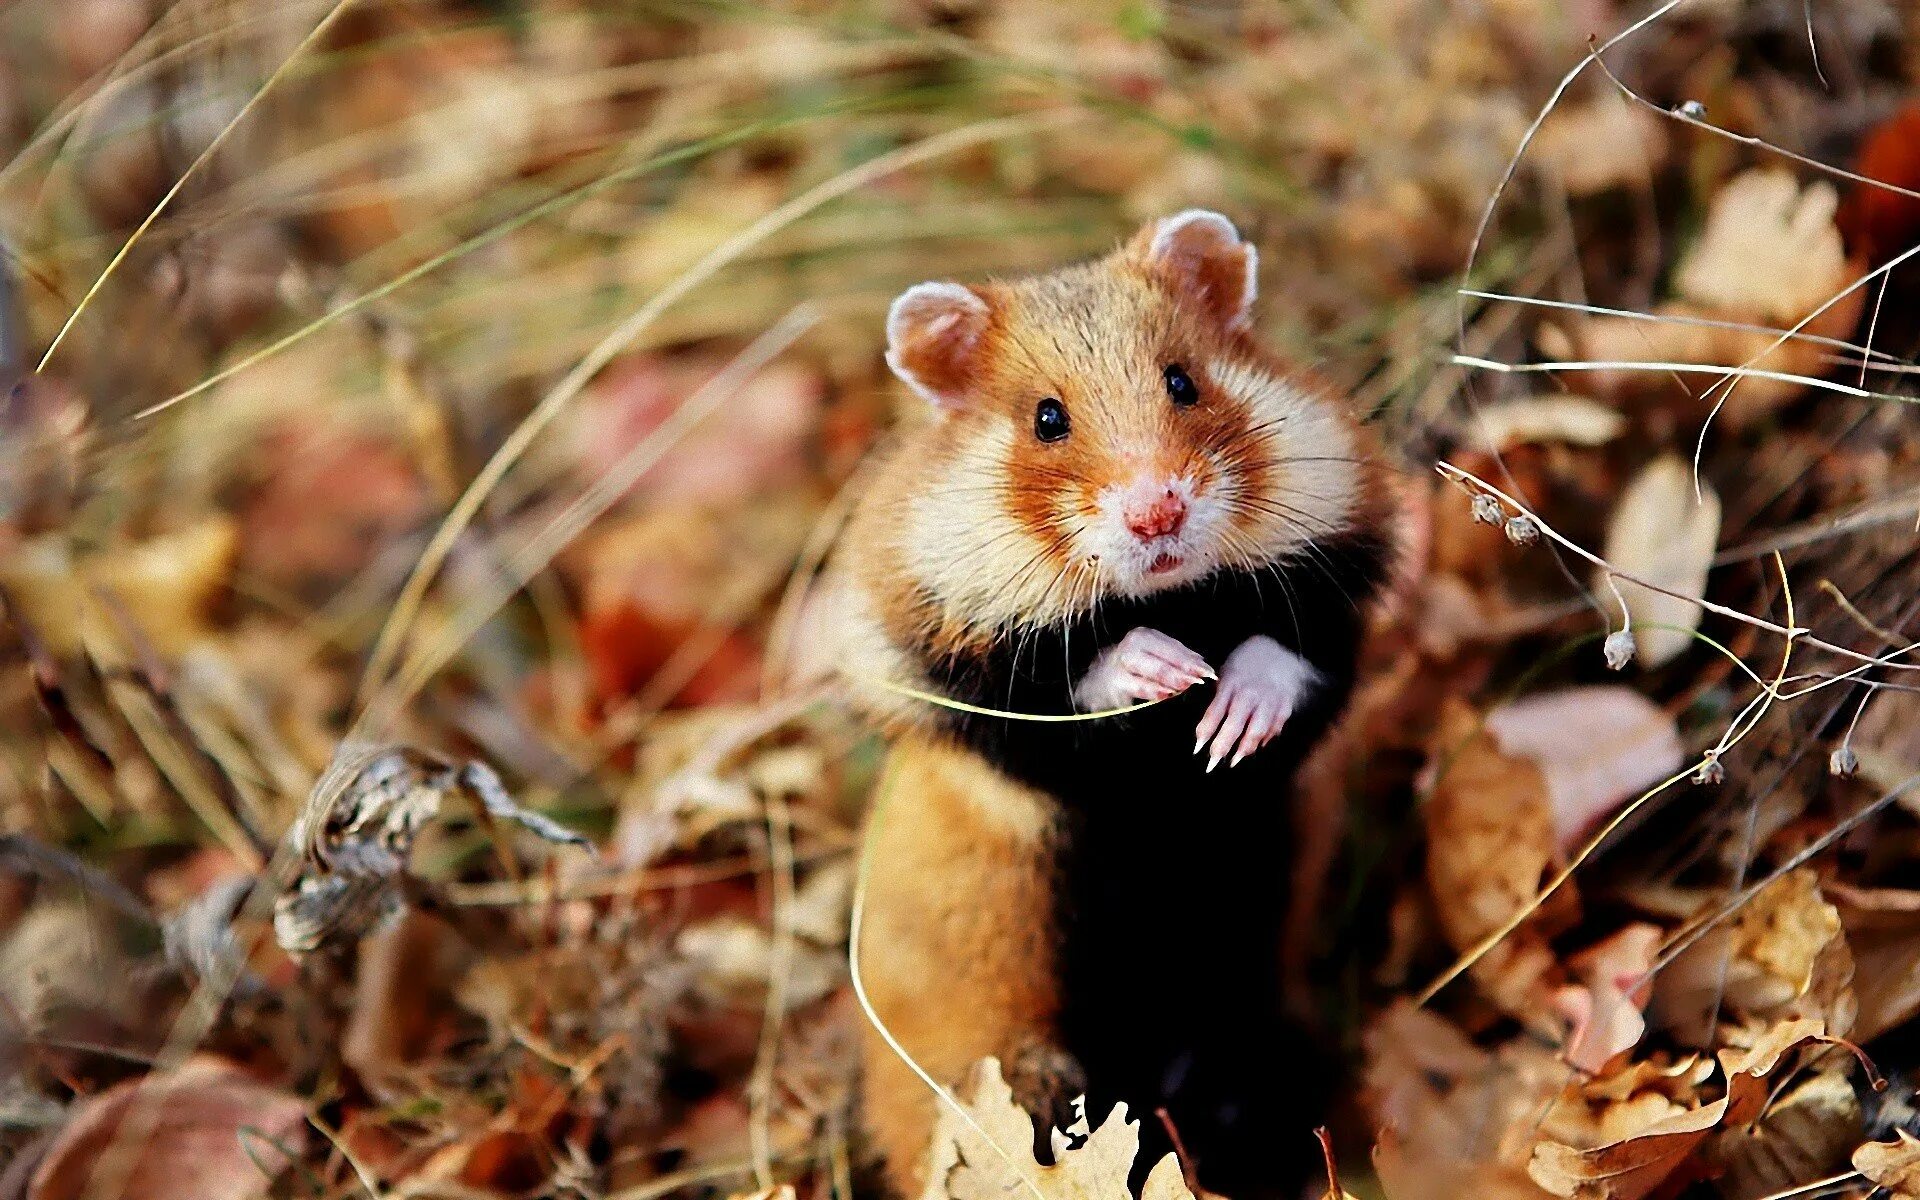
[{"x": 966, "y": 1165}]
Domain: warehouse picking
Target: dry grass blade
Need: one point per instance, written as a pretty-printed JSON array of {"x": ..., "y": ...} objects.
[
  {"x": 213, "y": 147},
  {"x": 605, "y": 492},
  {"x": 467, "y": 507}
]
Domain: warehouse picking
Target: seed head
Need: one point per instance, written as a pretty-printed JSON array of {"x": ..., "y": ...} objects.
[{"x": 1843, "y": 762}]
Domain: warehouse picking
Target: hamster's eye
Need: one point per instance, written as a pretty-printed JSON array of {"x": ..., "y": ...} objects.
[
  {"x": 1050, "y": 422},
  {"x": 1180, "y": 387}
]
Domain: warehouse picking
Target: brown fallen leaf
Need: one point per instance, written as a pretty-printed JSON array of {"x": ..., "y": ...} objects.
[
  {"x": 1803, "y": 1134},
  {"x": 990, "y": 1157},
  {"x": 1769, "y": 256},
  {"x": 1879, "y": 223},
  {"x": 1769, "y": 246},
  {"x": 1405, "y": 1175},
  {"x": 1893, "y": 1165},
  {"x": 1450, "y": 1111},
  {"x": 1883, "y": 932},
  {"x": 1598, "y": 746},
  {"x": 1783, "y": 955},
  {"x": 168, "y": 582},
  {"x": 1575, "y": 420},
  {"x": 1664, "y": 533},
  {"x": 1747, "y": 1070},
  {"x": 1490, "y": 845},
  {"x": 1629, "y": 1168},
  {"x": 401, "y": 1015},
  {"x": 211, "y": 1133}
]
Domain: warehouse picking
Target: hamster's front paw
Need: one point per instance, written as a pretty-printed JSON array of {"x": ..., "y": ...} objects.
[
  {"x": 1045, "y": 1081},
  {"x": 1261, "y": 683},
  {"x": 1144, "y": 665}
]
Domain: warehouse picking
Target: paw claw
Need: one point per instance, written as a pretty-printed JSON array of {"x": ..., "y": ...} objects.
[
  {"x": 1145, "y": 665},
  {"x": 1261, "y": 684}
]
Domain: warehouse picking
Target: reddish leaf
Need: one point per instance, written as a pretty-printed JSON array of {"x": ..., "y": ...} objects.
[
  {"x": 204, "y": 1131},
  {"x": 1877, "y": 223}
]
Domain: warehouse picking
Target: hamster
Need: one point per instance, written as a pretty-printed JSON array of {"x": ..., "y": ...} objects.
[{"x": 1118, "y": 497}]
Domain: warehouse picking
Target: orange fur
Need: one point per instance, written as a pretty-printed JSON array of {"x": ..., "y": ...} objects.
[{"x": 957, "y": 950}]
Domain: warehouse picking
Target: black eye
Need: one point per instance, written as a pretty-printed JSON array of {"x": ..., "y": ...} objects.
[
  {"x": 1050, "y": 422},
  {"x": 1180, "y": 387}
]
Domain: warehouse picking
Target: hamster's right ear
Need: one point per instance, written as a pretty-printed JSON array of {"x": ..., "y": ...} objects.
[{"x": 934, "y": 336}]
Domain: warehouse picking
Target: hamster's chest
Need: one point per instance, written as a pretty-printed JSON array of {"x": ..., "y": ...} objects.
[{"x": 1143, "y": 766}]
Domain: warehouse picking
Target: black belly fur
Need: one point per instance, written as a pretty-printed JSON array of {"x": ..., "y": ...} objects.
[{"x": 1172, "y": 882}]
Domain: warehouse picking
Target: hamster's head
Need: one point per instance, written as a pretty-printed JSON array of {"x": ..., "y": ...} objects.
[{"x": 1110, "y": 430}]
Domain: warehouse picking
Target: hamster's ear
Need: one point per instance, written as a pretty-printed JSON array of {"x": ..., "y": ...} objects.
[
  {"x": 1202, "y": 256},
  {"x": 934, "y": 337}
]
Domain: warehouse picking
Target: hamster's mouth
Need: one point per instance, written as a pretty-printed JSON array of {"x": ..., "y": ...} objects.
[{"x": 1164, "y": 562}]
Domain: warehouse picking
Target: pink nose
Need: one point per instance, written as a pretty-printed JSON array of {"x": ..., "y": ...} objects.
[{"x": 1159, "y": 517}]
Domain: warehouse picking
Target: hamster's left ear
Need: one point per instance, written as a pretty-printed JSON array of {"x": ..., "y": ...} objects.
[{"x": 1202, "y": 256}]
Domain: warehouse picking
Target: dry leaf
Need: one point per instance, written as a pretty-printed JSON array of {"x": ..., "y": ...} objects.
[
  {"x": 1598, "y": 747},
  {"x": 1769, "y": 247},
  {"x": 1770, "y": 255},
  {"x": 736, "y": 960},
  {"x": 357, "y": 827},
  {"x": 167, "y": 584},
  {"x": 1449, "y": 1109},
  {"x": 1490, "y": 832},
  {"x": 1662, "y": 533},
  {"x": 1883, "y": 932},
  {"x": 63, "y": 958},
  {"x": 1574, "y": 420},
  {"x": 1490, "y": 847},
  {"x": 1747, "y": 1070},
  {"x": 1880, "y": 223},
  {"x": 211, "y": 1133},
  {"x": 1804, "y": 1134},
  {"x": 964, "y": 1166},
  {"x": 400, "y": 1016},
  {"x": 1629, "y": 1168},
  {"x": 1605, "y": 1010},
  {"x": 1406, "y": 1175},
  {"x": 1893, "y": 1165},
  {"x": 1783, "y": 955},
  {"x": 1601, "y": 144}
]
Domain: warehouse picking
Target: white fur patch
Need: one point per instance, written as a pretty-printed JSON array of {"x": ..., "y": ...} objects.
[
  {"x": 939, "y": 306},
  {"x": 964, "y": 546},
  {"x": 1316, "y": 478}
]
